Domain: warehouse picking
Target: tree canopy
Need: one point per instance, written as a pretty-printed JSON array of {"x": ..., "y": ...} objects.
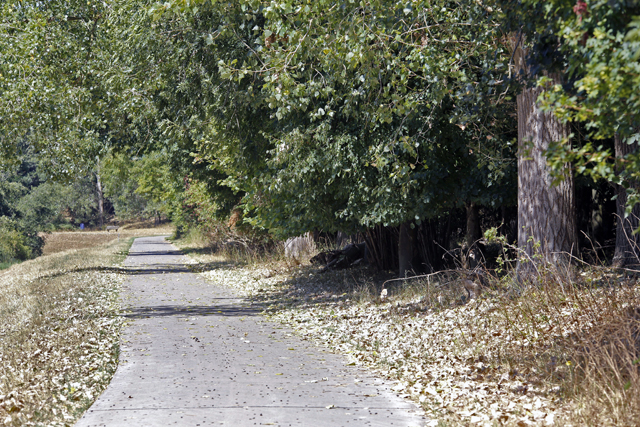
[
  {"x": 324, "y": 115},
  {"x": 340, "y": 117}
]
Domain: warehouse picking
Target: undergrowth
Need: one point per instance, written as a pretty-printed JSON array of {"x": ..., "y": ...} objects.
[
  {"x": 5, "y": 265},
  {"x": 240, "y": 246}
]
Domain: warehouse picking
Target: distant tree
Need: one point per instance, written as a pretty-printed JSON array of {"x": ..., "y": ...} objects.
[
  {"x": 120, "y": 175},
  {"x": 19, "y": 239}
]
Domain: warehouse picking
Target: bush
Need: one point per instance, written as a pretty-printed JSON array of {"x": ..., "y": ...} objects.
[{"x": 14, "y": 245}]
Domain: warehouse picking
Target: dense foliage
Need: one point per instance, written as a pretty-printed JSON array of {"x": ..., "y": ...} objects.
[
  {"x": 595, "y": 45},
  {"x": 18, "y": 217},
  {"x": 31, "y": 203},
  {"x": 257, "y": 96},
  {"x": 323, "y": 115}
]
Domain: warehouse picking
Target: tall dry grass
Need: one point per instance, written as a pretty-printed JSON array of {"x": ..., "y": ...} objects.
[
  {"x": 572, "y": 332},
  {"x": 587, "y": 326},
  {"x": 231, "y": 245}
]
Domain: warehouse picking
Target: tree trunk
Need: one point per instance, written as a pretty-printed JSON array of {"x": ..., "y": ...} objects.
[
  {"x": 474, "y": 233},
  {"x": 627, "y": 253},
  {"x": 100, "y": 196},
  {"x": 382, "y": 244},
  {"x": 546, "y": 213},
  {"x": 405, "y": 249},
  {"x": 597, "y": 218}
]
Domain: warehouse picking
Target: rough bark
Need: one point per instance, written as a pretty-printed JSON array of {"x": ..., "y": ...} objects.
[
  {"x": 627, "y": 252},
  {"x": 546, "y": 212},
  {"x": 405, "y": 249}
]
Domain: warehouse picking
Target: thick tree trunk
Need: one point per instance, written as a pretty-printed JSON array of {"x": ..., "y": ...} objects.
[
  {"x": 405, "y": 249},
  {"x": 546, "y": 213},
  {"x": 627, "y": 253}
]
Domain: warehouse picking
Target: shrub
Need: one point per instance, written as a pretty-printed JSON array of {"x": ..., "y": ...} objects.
[{"x": 14, "y": 245}]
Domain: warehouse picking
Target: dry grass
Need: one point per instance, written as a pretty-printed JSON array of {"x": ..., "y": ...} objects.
[
  {"x": 563, "y": 352},
  {"x": 232, "y": 247},
  {"x": 59, "y": 327},
  {"x": 584, "y": 336},
  {"x": 64, "y": 240}
]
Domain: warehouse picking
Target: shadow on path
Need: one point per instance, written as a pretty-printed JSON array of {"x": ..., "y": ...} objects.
[
  {"x": 155, "y": 253},
  {"x": 225, "y": 310},
  {"x": 156, "y": 269},
  {"x": 145, "y": 269}
]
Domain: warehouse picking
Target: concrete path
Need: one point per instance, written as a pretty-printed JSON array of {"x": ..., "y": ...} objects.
[{"x": 193, "y": 354}]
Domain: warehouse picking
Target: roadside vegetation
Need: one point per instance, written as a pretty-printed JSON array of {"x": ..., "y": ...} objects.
[
  {"x": 417, "y": 127},
  {"x": 59, "y": 328},
  {"x": 35, "y": 208},
  {"x": 563, "y": 352}
]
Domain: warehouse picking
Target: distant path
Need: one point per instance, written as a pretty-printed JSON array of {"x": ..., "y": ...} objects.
[{"x": 193, "y": 354}]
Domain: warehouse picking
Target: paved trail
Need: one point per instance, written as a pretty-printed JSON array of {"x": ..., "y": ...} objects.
[{"x": 193, "y": 354}]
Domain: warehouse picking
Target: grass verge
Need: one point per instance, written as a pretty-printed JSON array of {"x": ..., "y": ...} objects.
[
  {"x": 59, "y": 330},
  {"x": 5, "y": 265}
]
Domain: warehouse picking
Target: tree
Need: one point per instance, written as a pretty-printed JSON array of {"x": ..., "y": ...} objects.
[
  {"x": 206, "y": 130},
  {"x": 603, "y": 41},
  {"x": 385, "y": 112},
  {"x": 322, "y": 117},
  {"x": 51, "y": 83},
  {"x": 595, "y": 44},
  {"x": 19, "y": 239},
  {"x": 122, "y": 176},
  {"x": 99, "y": 194},
  {"x": 546, "y": 206},
  {"x": 627, "y": 252},
  {"x": 309, "y": 115},
  {"x": 14, "y": 242}
]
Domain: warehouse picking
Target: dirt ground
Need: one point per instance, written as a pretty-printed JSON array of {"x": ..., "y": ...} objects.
[{"x": 65, "y": 240}]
